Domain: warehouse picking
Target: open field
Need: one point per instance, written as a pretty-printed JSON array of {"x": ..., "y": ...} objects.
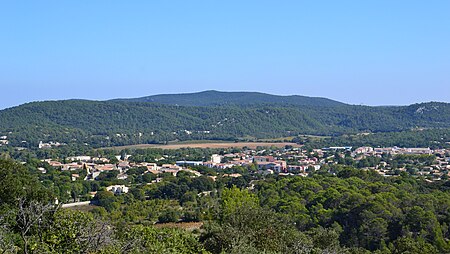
[
  {"x": 214, "y": 144},
  {"x": 82, "y": 208},
  {"x": 189, "y": 226},
  {"x": 282, "y": 139}
]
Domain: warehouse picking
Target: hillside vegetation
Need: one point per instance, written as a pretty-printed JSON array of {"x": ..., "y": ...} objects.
[
  {"x": 216, "y": 98},
  {"x": 345, "y": 210},
  {"x": 109, "y": 123}
]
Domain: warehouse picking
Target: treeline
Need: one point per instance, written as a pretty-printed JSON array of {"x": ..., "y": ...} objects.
[
  {"x": 101, "y": 124},
  {"x": 433, "y": 138}
]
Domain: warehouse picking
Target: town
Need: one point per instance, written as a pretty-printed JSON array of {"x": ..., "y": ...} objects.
[{"x": 433, "y": 165}]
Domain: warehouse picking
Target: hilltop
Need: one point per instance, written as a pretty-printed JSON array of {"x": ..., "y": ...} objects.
[{"x": 216, "y": 98}]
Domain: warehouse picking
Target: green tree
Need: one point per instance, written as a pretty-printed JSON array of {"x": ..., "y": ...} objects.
[
  {"x": 107, "y": 200},
  {"x": 77, "y": 232}
]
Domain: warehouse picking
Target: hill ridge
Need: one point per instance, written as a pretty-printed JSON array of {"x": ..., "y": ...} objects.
[
  {"x": 111, "y": 123},
  {"x": 214, "y": 97}
]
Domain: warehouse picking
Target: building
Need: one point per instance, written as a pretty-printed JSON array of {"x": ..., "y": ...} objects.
[
  {"x": 117, "y": 189},
  {"x": 189, "y": 163},
  {"x": 262, "y": 159},
  {"x": 215, "y": 158},
  {"x": 277, "y": 166},
  {"x": 79, "y": 158},
  {"x": 337, "y": 148}
]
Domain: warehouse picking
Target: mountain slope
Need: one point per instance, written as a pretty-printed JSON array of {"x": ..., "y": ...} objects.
[
  {"x": 215, "y": 98},
  {"x": 119, "y": 123}
]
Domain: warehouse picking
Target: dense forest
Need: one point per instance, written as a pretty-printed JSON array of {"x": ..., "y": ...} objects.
[
  {"x": 217, "y": 98},
  {"x": 342, "y": 210},
  {"x": 433, "y": 138},
  {"x": 100, "y": 124}
]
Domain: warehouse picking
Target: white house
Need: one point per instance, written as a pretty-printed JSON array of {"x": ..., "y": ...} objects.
[{"x": 117, "y": 189}]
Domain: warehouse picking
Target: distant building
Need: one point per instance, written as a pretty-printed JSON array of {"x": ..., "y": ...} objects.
[
  {"x": 122, "y": 176},
  {"x": 364, "y": 149},
  {"x": 79, "y": 158},
  {"x": 44, "y": 145},
  {"x": 75, "y": 177},
  {"x": 106, "y": 167},
  {"x": 215, "y": 158},
  {"x": 150, "y": 166},
  {"x": 48, "y": 145},
  {"x": 336, "y": 148},
  {"x": 418, "y": 151},
  {"x": 189, "y": 163},
  {"x": 117, "y": 189},
  {"x": 262, "y": 159},
  {"x": 55, "y": 164},
  {"x": 277, "y": 166}
]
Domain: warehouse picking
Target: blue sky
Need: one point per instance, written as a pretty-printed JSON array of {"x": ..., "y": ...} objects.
[{"x": 360, "y": 52}]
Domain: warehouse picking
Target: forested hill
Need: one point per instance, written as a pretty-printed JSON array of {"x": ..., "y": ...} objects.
[
  {"x": 120, "y": 123},
  {"x": 215, "y": 98}
]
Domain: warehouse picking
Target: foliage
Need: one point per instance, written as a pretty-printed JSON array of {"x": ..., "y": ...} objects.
[
  {"x": 346, "y": 210},
  {"x": 101, "y": 124},
  {"x": 216, "y": 98},
  {"x": 433, "y": 138},
  {"x": 141, "y": 239},
  {"x": 77, "y": 232}
]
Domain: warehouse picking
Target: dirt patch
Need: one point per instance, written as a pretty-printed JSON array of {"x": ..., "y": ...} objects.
[
  {"x": 251, "y": 145},
  {"x": 190, "y": 226},
  {"x": 83, "y": 208}
]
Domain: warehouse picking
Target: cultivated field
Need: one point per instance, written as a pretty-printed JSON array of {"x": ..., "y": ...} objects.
[{"x": 251, "y": 145}]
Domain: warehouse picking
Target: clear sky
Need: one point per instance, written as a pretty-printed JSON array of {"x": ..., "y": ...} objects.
[{"x": 373, "y": 52}]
